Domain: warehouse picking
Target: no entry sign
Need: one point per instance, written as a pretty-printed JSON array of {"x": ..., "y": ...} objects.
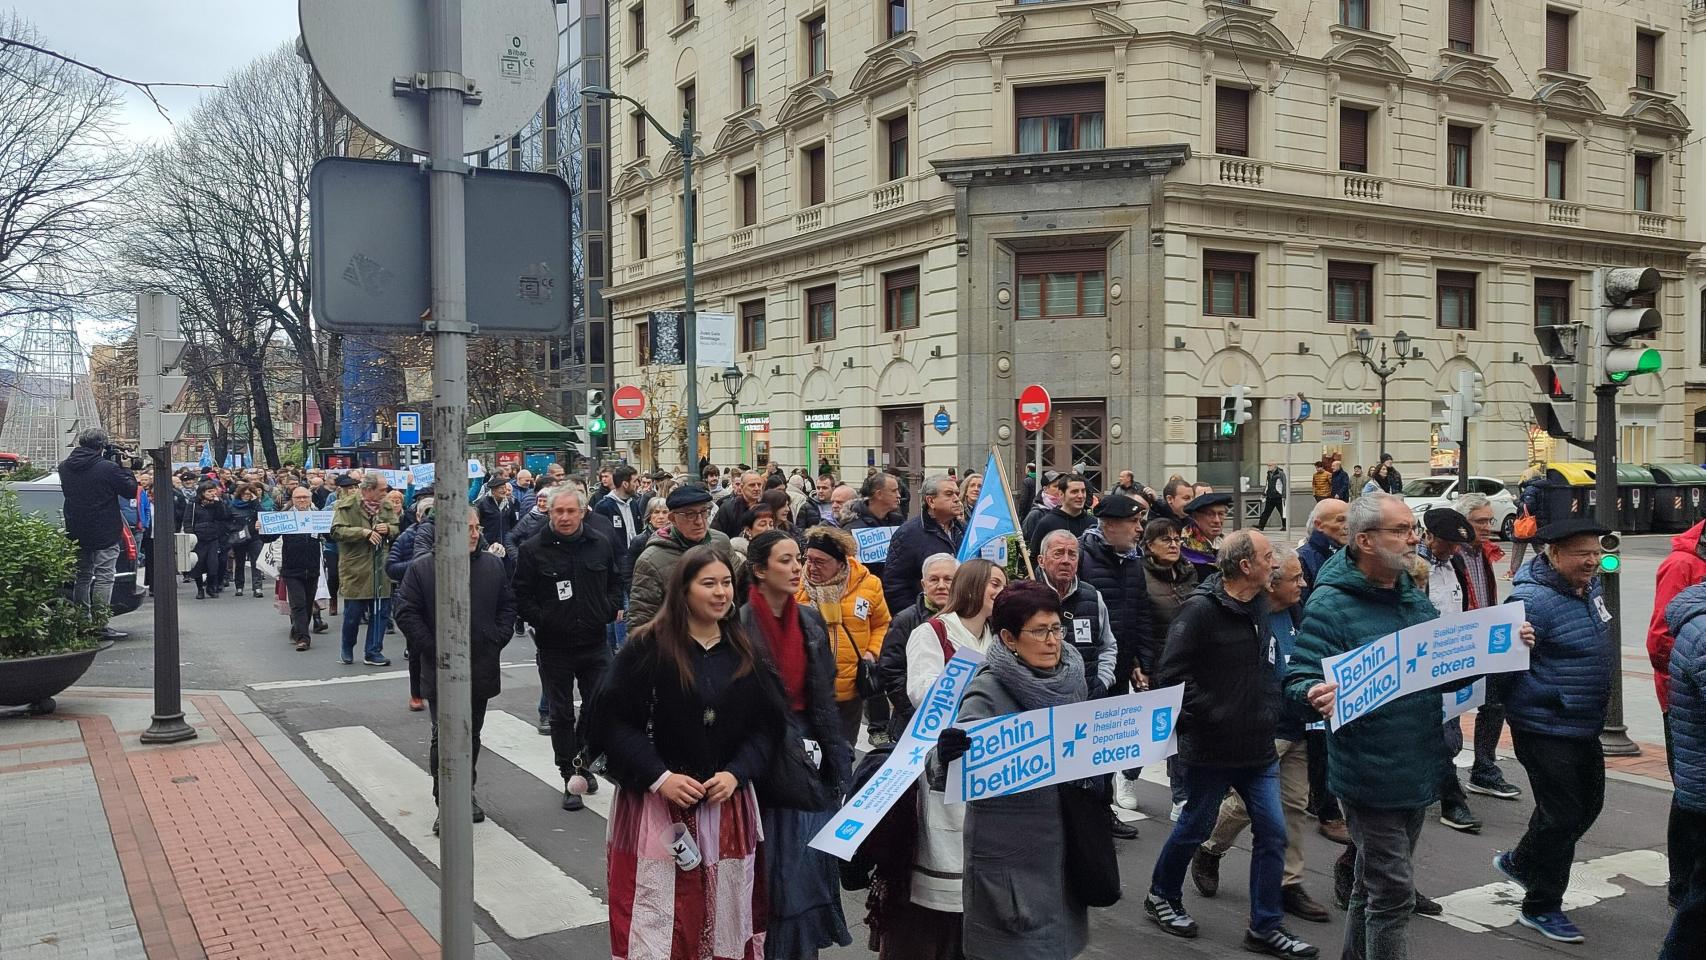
[
  {"x": 1034, "y": 407},
  {"x": 629, "y": 402}
]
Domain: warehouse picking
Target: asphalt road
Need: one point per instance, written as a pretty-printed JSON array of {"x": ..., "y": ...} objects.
[{"x": 239, "y": 644}]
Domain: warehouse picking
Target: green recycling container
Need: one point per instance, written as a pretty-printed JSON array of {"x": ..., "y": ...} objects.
[
  {"x": 1634, "y": 498},
  {"x": 1679, "y": 496}
]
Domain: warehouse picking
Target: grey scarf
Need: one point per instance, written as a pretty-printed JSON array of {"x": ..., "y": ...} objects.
[{"x": 1033, "y": 688}]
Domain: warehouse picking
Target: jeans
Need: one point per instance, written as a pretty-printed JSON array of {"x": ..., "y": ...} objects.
[
  {"x": 1566, "y": 775},
  {"x": 1451, "y": 741},
  {"x": 1687, "y": 937},
  {"x": 478, "y": 718},
  {"x": 1176, "y": 779},
  {"x": 1489, "y": 722},
  {"x": 354, "y": 610},
  {"x": 561, "y": 671},
  {"x": 246, "y": 555},
  {"x": 95, "y": 571},
  {"x": 1322, "y": 803},
  {"x": 299, "y": 591},
  {"x": 1294, "y": 797},
  {"x": 1206, "y": 786},
  {"x": 1377, "y": 921}
]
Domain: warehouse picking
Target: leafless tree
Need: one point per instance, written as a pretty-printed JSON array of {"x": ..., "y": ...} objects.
[{"x": 61, "y": 169}]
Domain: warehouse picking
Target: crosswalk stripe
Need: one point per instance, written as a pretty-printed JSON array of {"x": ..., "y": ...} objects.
[
  {"x": 1491, "y": 906},
  {"x": 519, "y": 742},
  {"x": 354, "y": 678},
  {"x": 524, "y": 893}
]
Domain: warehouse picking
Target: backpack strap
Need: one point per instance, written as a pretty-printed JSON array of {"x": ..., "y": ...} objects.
[{"x": 941, "y": 629}]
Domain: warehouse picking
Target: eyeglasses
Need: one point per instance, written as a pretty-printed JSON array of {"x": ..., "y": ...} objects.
[
  {"x": 693, "y": 514},
  {"x": 1056, "y": 631},
  {"x": 1408, "y": 529},
  {"x": 1169, "y": 541}
]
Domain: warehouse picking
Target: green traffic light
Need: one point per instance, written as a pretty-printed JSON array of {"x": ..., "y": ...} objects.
[
  {"x": 1610, "y": 563},
  {"x": 596, "y": 425},
  {"x": 1650, "y": 361},
  {"x": 1227, "y": 429}
]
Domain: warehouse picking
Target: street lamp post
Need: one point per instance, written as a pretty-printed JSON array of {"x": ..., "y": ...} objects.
[
  {"x": 1403, "y": 353},
  {"x": 690, "y": 235},
  {"x": 732, "y": 378}
]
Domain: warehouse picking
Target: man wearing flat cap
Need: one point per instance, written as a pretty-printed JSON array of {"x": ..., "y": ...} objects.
[
  {"x": 1205, "y": 518},
  {"x": 689, "y": 527},
  {"x": 1446, "y": 534},
  {"x": 1555, "y": 710},
  {"x": 1108, "y": 559}
]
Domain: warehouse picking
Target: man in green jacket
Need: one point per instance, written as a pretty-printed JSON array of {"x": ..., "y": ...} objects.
[
  {"x": 363, "y": 527},
  {"x": 689, "y": 526}
]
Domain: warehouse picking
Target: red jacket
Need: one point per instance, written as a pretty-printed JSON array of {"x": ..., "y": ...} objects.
[{"x": 1684, "y": 568}]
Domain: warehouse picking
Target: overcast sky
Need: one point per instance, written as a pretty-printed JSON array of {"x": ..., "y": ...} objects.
[{"x": 191, "y": 41}]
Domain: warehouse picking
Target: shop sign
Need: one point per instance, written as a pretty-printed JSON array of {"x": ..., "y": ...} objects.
[
  {"x": 823, "y": 419},
  {"x": 755, "y": 423},
  {"x": 1349, "y": 408}
]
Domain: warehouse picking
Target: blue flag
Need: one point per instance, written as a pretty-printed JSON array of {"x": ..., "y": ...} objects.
[
  {"x": 230, "y": 461},
  {"x": 991, "y": 517},
  {"x": 206, "y": 454}
]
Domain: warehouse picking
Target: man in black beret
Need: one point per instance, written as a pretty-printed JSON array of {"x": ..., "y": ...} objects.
[
  {"x": 689, "y": 526},
  {"x": 1445, "y": 533},
  {"x": 1108, "y": 560}
]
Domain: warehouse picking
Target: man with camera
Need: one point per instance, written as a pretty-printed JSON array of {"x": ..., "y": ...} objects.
[{"x": 93, "y": 480}]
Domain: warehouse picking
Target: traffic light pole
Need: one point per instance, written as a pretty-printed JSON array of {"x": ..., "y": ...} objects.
[
  {"x": 1614, "y": 738},
  {"x": 168, "y": 725}
]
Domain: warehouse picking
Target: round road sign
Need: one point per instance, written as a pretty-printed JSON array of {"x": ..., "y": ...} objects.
[
  {"x": 629, "y": 402},
  {"x": 1034, "y": 407}
]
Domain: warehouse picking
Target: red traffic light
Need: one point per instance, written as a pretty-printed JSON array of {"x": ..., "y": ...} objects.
[{"x": 1546, "y": 378}]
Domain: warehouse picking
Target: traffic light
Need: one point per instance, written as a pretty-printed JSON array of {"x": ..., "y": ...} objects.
[
  {"x": 1451, "y": 431},
  {"x": 1609, "y": 561},
  {"x": 1234, "y": 411},
  {"x": 1564, "y": 381},
  {"x": 159, "y": 388},
  {"x": 1227, "y": 406},
  {"x": 597, "y": 421},
  {"x": 1471, "y": 387},
  {"x": 1622, "y": 320}
]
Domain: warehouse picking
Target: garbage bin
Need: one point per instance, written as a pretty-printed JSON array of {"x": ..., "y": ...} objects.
[
  {"x": 1569, "y": 492},
  {"x": 1677, "y": 496},
  {"x": 1634, "y": 498}
]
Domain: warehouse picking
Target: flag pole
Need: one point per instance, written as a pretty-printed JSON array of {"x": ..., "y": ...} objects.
[{"x": 1012, "y": 510}]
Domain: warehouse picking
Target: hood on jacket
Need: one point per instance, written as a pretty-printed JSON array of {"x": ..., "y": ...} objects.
[
  {"x": 80, "y": 460},
  {"x": 1688, "y": 605},
  {"x": 861, "y": 511},
  {"x": 1093, "y": 539},
  {"x": 1688, "y": 541}
]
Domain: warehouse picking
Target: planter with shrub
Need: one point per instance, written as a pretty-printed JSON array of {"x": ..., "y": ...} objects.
[{"x": 46, "y": 641}]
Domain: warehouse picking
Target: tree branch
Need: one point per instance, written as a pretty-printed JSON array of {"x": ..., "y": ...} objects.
[{"x": 147, "y": 87}]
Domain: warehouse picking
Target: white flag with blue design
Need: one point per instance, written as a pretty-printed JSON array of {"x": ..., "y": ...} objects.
[{"x": 992, "y": 515}]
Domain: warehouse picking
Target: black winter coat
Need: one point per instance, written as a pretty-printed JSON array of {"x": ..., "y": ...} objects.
[
  {"x": 820, "y": 720},
  {"x": 300, "y": 555},
  {"x": 891, "y": 663},
  {"x": 1223, "y": 651},
  {"x": 1118, "y": 577},
  {"x": 208, "y": 521},
  {"x": 491, "y": 620},
  {"x": 568, "y": 588},
  {"x": 914, "y": 541},
  {"x": 1057, "y": 519},
  {"x": 92, "y": 486}
]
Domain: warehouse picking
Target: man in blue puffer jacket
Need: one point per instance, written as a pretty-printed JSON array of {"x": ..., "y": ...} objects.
[
  {"x": 1686, "y": 616},
  {"x": 1556, "y": 709}
]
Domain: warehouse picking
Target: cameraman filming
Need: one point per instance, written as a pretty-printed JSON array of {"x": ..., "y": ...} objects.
[{"x": 93, "y": 481}]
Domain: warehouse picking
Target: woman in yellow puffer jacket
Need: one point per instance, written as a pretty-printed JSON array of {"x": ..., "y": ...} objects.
[{"x": 850, "y": 598}]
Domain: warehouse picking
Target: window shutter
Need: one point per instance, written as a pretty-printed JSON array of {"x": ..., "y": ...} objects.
[
  {"x": 1228, "y": 260},
  {"x": 1232, "y": 120},
  {"x": 1058, "y": 100},
  {"x": 814, "y": 174},
  {"x": 1462, "y": 23},
  {"x": 1353, "y": 138},
  {"x": 1457, "y": 279},
  {"x": 1346, "y": 270},
  {"x": 749, "y": 198},
  {"x": 1544, "y": 287},
  {"x": 820, "y": 297},
  {"x": 897, "y": 129},
  {"x": 1557, "y": 41},
  {"x": 1460, "y": 136},
  {"x": 900, "y": 279},
  {"x": 1060, "y": 261},
  {"x": 1646, "y": 55}
]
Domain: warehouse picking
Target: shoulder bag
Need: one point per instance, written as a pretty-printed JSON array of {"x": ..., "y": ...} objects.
[{"x": 1092, "y": 869}]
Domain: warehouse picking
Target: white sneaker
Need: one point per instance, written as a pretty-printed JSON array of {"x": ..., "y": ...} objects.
[
  {"x": 1178, "y": 811},
  {"x": 1125, "y": 792}
]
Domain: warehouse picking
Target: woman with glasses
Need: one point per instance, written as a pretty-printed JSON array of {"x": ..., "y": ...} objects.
[
  {"x": 850, "y": 597},
  {"x": 1017, "y": 901},
  {"x": 1169, "y": 578}
]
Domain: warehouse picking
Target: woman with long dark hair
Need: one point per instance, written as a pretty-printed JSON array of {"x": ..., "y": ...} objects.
[
  {"x": 809, "y": 774},
  {"x": 244, "y": 539},
  {"x": 688, "y": 719},
  {"x": 209, "y": 519}
]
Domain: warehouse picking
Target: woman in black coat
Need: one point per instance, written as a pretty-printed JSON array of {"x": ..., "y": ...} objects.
[{"x": 209, "y": 518}]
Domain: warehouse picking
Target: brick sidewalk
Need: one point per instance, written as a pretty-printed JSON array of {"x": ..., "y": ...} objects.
[{"x": 217, "y": 851}]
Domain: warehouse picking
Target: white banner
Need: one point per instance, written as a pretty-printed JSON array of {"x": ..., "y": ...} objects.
[
  {"x": 1425, "y": 656},
  {"x": 422, "y": 474},
  {"x": 1472, "y": 697},
  {"x": 841, "y": 836},
  {"x": 1024, "y": 751},
  {"x": 396, "y": 479},
  {"x": 296, "y": 521},
  {"x": 874, "y": 543},
  {"x": 716, "y": 339}
]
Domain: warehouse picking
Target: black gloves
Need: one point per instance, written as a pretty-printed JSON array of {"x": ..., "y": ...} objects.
[{"x": 952, "y": 745}]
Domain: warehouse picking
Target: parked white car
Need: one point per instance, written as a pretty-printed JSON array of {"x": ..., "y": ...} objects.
[{"x": 1425, "y": 493}]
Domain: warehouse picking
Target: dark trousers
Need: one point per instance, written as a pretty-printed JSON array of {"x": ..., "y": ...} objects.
[
  {"x": 1451, "y": 741},
  {"x": 247, "y": 554},
  {"x": 332, "y": 575},
  {"x": 1567, "y": 778},
  {"x": 354, "y": 611},
  {"x": 561, "y": 671},
  {"x": 209, "y": 569},
  {"x": 1687, "y": 937},
  {"x": 478, "y": 718},
  {"x": 1270, "y": 506},
  {"x": 1322, "y": 804},
  {"x": 299, "y": 591},
  {"x": 1205, "y": 788},
  {"x": 1377, "y": 919},
  {"x": 1489, "y": 723},
  {"x": 876, "y": 715}
]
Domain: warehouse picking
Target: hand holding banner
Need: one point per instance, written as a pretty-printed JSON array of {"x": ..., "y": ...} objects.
[{"x": 1473, "y": 643}]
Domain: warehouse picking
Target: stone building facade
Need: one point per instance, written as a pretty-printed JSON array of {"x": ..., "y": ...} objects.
[{"x": 914, "y": 208}]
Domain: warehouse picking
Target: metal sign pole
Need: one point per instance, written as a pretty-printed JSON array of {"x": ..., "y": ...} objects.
[
  {"x": 450, "y": 331},
  {"x": 168, "y": 724}
]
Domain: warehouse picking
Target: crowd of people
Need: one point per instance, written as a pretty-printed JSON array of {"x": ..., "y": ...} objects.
[{"x": 719, "y": 651}]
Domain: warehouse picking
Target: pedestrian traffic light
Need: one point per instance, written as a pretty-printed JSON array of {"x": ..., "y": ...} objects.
[
  {"x": 1471, "y": 387},
  {"x": 159, "y": 387},
  {"x": 1227, "y": 406},
  {"x": 1451, "y": 431},
  {"x": 1234, "y": 411},
  {"x": 1622, "y": 318},
  {"x": 597, "y": 421}
]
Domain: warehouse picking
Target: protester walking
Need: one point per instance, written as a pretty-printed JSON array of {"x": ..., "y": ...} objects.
[
  {"x": 244, "y": 540},
  {"x": 689, "y": 526},
  {"x": 209, "y": 518},
  {"x": 935, "y": 588},
  {"x": 364, "y": 526},
  {"x": 299, "y": 569},
  {"x": 937, "y": 529}
]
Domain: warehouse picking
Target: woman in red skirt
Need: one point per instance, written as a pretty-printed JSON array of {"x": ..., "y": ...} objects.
[{"x": 688, "y": 718}]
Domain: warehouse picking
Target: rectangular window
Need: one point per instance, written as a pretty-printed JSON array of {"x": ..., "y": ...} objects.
[
  {"x": 1354, "y": 13},
  {"x": 1644, "y": 167},
  {"x": 746, "y": 66},
  {"x": 637, "y": 26},
  {"x": 898, "y": 146},
  {"x": 753, "y": 335},
  {"x": 1063, "y": 283},
  {"x": 1557, "y": 169},
  {"x": 1551, "y": 302},
  {"x": 1065, "y": 116},
  {"x": 1646, "y": 60},
  {"x": 1350, "y": 292},
  {"x": 1353, "y": 139},
  {"x": 641, "y": 239},
  {"x": 1460, "y": 26},
  {"x": 686, "y": 10},
  {"x": 900, "y": 300},
  {"x": 1229, "y": 283},
  {"x": 690, "y": 103},
  {"x": 817, "y": 46},
  {"x": 1558, "y": 40},
  {"x": 1454, "y": 292},
  {"x": 639, "y": 136},
  {"x": 820, "y": 314},
  {"x": 897, "y": 18},
  {"x": 643, "y": 343},
  {"x": 746, "y": 185},
  {"x": 1232, "y": 121},
  {"x": 811, "y": 164},
  {"x": 1460, "y": 156}
]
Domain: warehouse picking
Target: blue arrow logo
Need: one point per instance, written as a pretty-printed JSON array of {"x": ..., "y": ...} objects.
[{"x": 1078, "y": 733}]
